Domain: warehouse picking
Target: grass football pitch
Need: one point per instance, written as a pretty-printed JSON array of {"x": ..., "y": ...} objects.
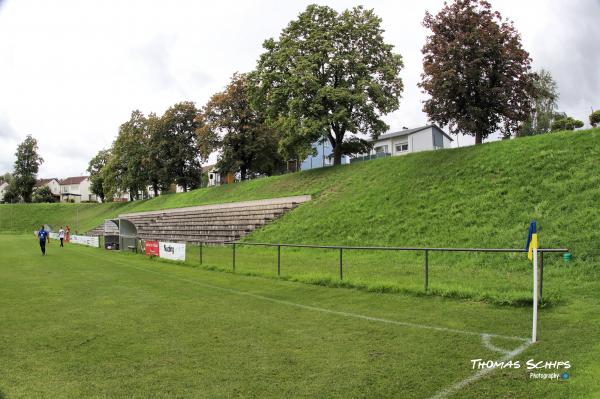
[{"x": 83, "y": 322}]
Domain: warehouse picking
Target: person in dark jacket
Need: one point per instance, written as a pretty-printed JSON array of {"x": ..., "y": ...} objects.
[{"x": 43, "y": 237}]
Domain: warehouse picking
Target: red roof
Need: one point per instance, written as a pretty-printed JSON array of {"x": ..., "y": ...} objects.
[{"x": 73, "y": 180}]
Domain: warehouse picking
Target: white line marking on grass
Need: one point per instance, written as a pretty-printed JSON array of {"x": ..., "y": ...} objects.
[
  {"x": 444, "y": 393},
  {"x": 486, "y": 339},
  {"x": 324, "y": 310}
]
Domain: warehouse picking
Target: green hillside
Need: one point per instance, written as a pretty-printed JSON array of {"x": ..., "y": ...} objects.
[{"x": 481, "y": 196}]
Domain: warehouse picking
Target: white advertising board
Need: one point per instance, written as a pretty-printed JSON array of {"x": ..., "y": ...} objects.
[
  {"x": 53, "y": 236},
  {"x": 171, "y": 250},
  {"x": 86, "y": 240}
]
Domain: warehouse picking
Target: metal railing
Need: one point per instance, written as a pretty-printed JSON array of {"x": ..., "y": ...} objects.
[{"x": 424, "y": 250}]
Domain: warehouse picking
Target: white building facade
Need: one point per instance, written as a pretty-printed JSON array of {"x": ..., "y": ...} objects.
[
  {"x": 424, "y": 138},
  {"x": 76, "y": 189},
  {"x": 53, "y": 184}
]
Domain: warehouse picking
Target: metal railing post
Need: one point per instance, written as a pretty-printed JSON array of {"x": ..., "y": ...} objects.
[
  {"x": 278, "y": 260},
  {"x": 341, "y": 267},
  {"x": 233, "y": 257},
  {"x": 541, "y": 254},
  {"x": 200, "y": 252},
  {"x": 426, "y": 270}
]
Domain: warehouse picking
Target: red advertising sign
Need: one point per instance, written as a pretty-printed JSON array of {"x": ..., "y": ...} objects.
[{"x": 152, "y": 248}]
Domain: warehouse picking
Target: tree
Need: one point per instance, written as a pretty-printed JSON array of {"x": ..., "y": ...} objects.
[
  {"x": 475, "y": 70},
  {"x": 595, "y": 118},
  {"x": 248, "y": 144},
  {"x": 177, "y": 145},
  {"x": 126, "y": 168},
  {"x": 545, "y": 96},
  {"x": 158, "y": 174},
  {"x": 329, "y": 75},
  {"x": 27, "y": 165},
  {"x": 11, "y": 194},
  {"x": 7, "y": 177},
  {"x": 95, "y": 169},
  {"x": 564, "y": 122},
  {"x": 43, "y": 194}
]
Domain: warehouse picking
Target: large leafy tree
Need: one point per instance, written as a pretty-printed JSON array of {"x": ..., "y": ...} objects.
[
  {"x": 328, "y": 75},
  {"x": 178, "y": 145},
  {"x": 475, "y": 70},
  {"x": 95, "y": 169},
  {"x": 544, "y": 100},
  {"x": 26, "y": 168},
  {"x": 248, "y": 145},
  {"x": 126, "y": 168},
  {"x": 156, "y": 165}
]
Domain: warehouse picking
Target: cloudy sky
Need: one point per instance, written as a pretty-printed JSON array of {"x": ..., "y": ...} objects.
[{"x": 72, "y": 71}]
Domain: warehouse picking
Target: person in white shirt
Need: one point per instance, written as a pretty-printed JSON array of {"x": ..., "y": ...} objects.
[{"x": 61, "y": 235}]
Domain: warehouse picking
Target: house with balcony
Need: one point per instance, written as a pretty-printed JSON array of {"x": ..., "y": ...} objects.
[
  {"x": 406, "y": 141},
  {"x": 76, "y": 189}
]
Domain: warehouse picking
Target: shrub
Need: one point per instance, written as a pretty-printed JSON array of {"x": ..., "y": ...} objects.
[
  {"x": 566, "y": 123},
  {"x": 595, "y": 118}
]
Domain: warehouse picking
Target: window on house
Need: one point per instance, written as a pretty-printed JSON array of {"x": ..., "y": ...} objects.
[
  {"x": 382, "y": 149},
  {"x": 402, "y": 147}
]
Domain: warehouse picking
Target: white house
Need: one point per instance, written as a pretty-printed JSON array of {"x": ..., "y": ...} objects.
[
  {"x": 3, "y": 187},
  {"x": 424, "y": 138},
  {"x": 76, "y": 189},
  {"x": 53, "y": 184}
]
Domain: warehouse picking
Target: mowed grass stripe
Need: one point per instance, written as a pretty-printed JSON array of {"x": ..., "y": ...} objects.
[{"x": 101, "y": 329}]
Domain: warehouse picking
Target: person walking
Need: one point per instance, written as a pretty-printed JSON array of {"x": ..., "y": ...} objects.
[
  {"x": 61, "y": 236},
  {"x": 42, "y": 236}
]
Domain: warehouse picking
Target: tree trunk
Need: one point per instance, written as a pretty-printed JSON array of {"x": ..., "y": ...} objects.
[
  {"x": 243, "y": 173},
  {"x": 155, "y": 189},
  {"x": 478, "y": 138},
  {"x": 337, "y": 154},
  {"x": 336, "y": 142}
]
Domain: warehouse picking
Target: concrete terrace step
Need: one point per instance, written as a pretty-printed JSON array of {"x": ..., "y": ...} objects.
[
  {"x": 194, "y": 239},
  {"x": 223, "y": 218},
  {"x": 196, "y": 228},
  {"x": 211, "y": 223}
]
